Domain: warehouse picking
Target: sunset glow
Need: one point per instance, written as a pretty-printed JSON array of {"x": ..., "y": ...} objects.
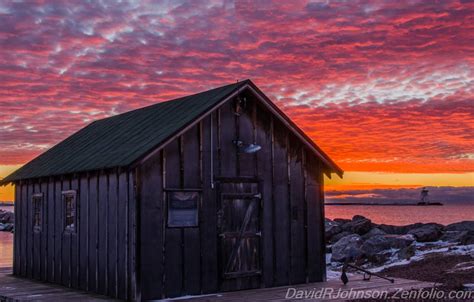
[{"x": 386, "y": 89}]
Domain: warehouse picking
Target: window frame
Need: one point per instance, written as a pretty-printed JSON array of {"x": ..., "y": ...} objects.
[
  {"x": 69, "y": 228},
  {"x": 37, "y": 201},
  {"x": 169, "y": 193}
]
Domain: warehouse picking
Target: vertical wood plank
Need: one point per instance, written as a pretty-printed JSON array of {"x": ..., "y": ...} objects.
[
  {"x": 51, "y": 229},
  {"x": 151, "y": 242},
  {"x": 83, "y": 219},
  {"x": 44, "y": 230},
  {"x": 66, "y": 242},
  {"x": 24, "y": 227},
  {"x": 29, "y": 231},
  {"x": 208, "y": 221},
  {"x": 246, "y": 135},
  {"x": 17, "y": 232},
  {"x": 58, "y": 230},
  {"x": 192, "y": 179},
  {"x": 265, "y": 171},
  {"x": 112, "y": 207},
  {"x": 122, "y": 243},
  {"x": 298, "y": 265},
  {"x": 93, "y": 237},
  {"x": 312, "y": 196},
  {"x": 173, "y": 242},
  {"x": 281, "y": 204},
  {"x": 132, "y": 235},
  {"x": 74, "y": 244},
  {"x": 36, "y": 249},
  {"x": 228, "y": 154},
  {"x": 103, "y": 230},
  {"x": 321, "y": 272}
]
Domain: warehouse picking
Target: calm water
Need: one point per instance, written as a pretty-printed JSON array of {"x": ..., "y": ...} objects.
[
  {"x": 6, "y": 249},
  {"x": 6, "y": 244},
  {"x": 401, "y": 215}
]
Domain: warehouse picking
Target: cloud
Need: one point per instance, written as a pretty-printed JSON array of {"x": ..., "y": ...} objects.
[{"x": 381, "y": 86}]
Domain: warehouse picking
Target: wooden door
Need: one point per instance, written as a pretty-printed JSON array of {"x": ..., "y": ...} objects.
[{"x": 238, "y": 220}]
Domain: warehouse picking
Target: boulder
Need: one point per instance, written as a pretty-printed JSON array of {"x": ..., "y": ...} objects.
[
  {"x": 378, "y": 243},
  {"x": 359, "y": 217},
  {"x": 398, "y": 229},
  {"x": 2, "y": 227},
  {"x": 7, "y": 217},
  {"x": 407, "y": 252},
  {"x": 453, "y": 236},
  {"x": 331, "y": 228},
  {"x": 341, "y": 220},
  {"x": 347, "y": 248},
  {"x": 379, "y": 258},
  {"x": 427, "y": 232},
  {"x": 8, "y": 227},
  {"x": 359, "y": 225},
  {"x": 461, "y": 226},
  {"x": 468, "y": 238},
  {"x": 373, "y": 232},
  {"x": 336, "y": 237}
]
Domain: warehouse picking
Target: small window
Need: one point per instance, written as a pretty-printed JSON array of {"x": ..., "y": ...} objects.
[
  {"x": 37, "y": 206},
  {"x": 183, "y": 209},
  {"x": 69, "y": 201}
]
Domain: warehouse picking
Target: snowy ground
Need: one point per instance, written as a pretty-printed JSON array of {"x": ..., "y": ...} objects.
[{"x": 422, "y": 250}]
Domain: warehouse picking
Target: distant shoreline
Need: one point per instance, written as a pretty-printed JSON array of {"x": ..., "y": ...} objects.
[{"x": 6, "y": 203}]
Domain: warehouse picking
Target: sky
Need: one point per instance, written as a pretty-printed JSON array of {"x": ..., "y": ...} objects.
[{"x": 386, "y": 88}]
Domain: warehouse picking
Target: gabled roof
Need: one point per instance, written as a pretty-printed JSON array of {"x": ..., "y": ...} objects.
[{"x": 122, "y": 140}]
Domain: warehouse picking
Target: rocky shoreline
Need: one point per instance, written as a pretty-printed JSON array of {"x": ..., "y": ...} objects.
[
  {"x": 396, "y": 250},
  {"x": 7, "y": 221}
]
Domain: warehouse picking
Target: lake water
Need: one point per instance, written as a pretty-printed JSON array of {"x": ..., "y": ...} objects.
[
  {"x": 402, "y": 215},
  {"x": 6, "y": 249}
]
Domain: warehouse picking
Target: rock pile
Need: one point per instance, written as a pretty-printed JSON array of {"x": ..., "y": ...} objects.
[
  {"x": 7, "y": 221},
  {"x": 361, "y": 240}
]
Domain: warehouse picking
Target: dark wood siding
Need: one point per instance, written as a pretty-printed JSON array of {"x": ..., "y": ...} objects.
[
  {"x": 151, "y": 203},
  {"x": 208, "y": 221},
  {"x": 71, "y": 259},
  {"x": 17, "y": 238},
  {"x": 282, "y": 206}
]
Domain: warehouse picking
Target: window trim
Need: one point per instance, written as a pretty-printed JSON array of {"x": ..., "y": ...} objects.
[
  {"x": 170, "y": 191},
  {"x": 37, "y": 198},
  {"x": 68, "y": 229}
]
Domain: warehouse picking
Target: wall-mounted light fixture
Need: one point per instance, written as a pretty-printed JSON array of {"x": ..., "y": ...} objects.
[{"x": 246, "y": 148}]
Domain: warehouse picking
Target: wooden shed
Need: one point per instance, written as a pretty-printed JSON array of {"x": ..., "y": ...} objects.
[{"x": 217, "y": 191}]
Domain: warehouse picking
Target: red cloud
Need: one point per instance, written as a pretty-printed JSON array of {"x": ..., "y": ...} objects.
[{"x": 381, "y": 86}]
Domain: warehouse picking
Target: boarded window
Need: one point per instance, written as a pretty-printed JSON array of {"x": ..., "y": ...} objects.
[
  {"x": 69, "y": 201},
  {"x": 37, "y": 211},
  {"x": 183, "y": 209}
]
